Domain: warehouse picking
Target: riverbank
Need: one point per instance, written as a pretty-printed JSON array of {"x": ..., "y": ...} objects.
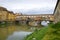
[
  {"x": 37, "y": 34},
  {"x": 20, "y": 24},
  {"x": 52, "y": 32}
]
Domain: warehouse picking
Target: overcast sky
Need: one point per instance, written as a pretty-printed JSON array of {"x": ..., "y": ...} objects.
[{"x": 30, "y": 6}]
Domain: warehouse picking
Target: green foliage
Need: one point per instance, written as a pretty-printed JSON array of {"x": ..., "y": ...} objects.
[
  {"x": 56, "y": 26},
  {"x": 37, "y": 34},
  {"x": 52, "y": 32}
]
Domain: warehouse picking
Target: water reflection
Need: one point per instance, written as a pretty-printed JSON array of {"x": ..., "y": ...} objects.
[
  {"x": 15, "y": 32},
  {"x": 18, "y": 35}
]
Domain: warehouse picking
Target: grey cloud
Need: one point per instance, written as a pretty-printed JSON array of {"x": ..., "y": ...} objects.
[
  {"x": 10, "y": 3},
  {"x": 36, "y": 11}
]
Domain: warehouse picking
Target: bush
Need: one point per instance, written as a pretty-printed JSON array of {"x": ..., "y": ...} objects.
[
  {"x": 52, "y": 32},
  {"x": 56, "y": 26},
  {"x": 37, "y": 34}
]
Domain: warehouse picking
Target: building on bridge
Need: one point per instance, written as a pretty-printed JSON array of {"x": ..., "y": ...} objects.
[{"x": 40, "y": 17}]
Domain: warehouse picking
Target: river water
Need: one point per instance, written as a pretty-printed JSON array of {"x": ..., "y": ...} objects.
[
  {"x": 20, "y": 35},
  {"x": 15, "y": 32}
]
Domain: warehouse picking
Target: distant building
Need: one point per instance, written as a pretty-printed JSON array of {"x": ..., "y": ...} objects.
[
  {"x": 3, "y": 14},
  {"x": 6, "y": 15},
  {"x": 11, "y": 16},
  {"x": 18, "y": 16}
]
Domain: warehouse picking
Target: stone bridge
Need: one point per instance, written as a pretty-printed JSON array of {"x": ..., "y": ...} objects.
[{"x": 41, "y": 17}]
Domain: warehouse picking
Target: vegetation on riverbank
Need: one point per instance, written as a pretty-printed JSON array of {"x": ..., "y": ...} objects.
[
  {"x": 37, "y": 34},
  {"x": 52, "y": 32}
]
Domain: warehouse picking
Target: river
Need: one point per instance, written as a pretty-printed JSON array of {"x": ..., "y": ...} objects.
[
  {"x": 18, "y": 35},
  {"x": 15, "y": 32}
]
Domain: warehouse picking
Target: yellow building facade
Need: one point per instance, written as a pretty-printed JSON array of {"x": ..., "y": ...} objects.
[
  {"x": 11, "y": 16},
  {"x": 6, "y": 15},
  {"x": 3, "y": 14}
]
